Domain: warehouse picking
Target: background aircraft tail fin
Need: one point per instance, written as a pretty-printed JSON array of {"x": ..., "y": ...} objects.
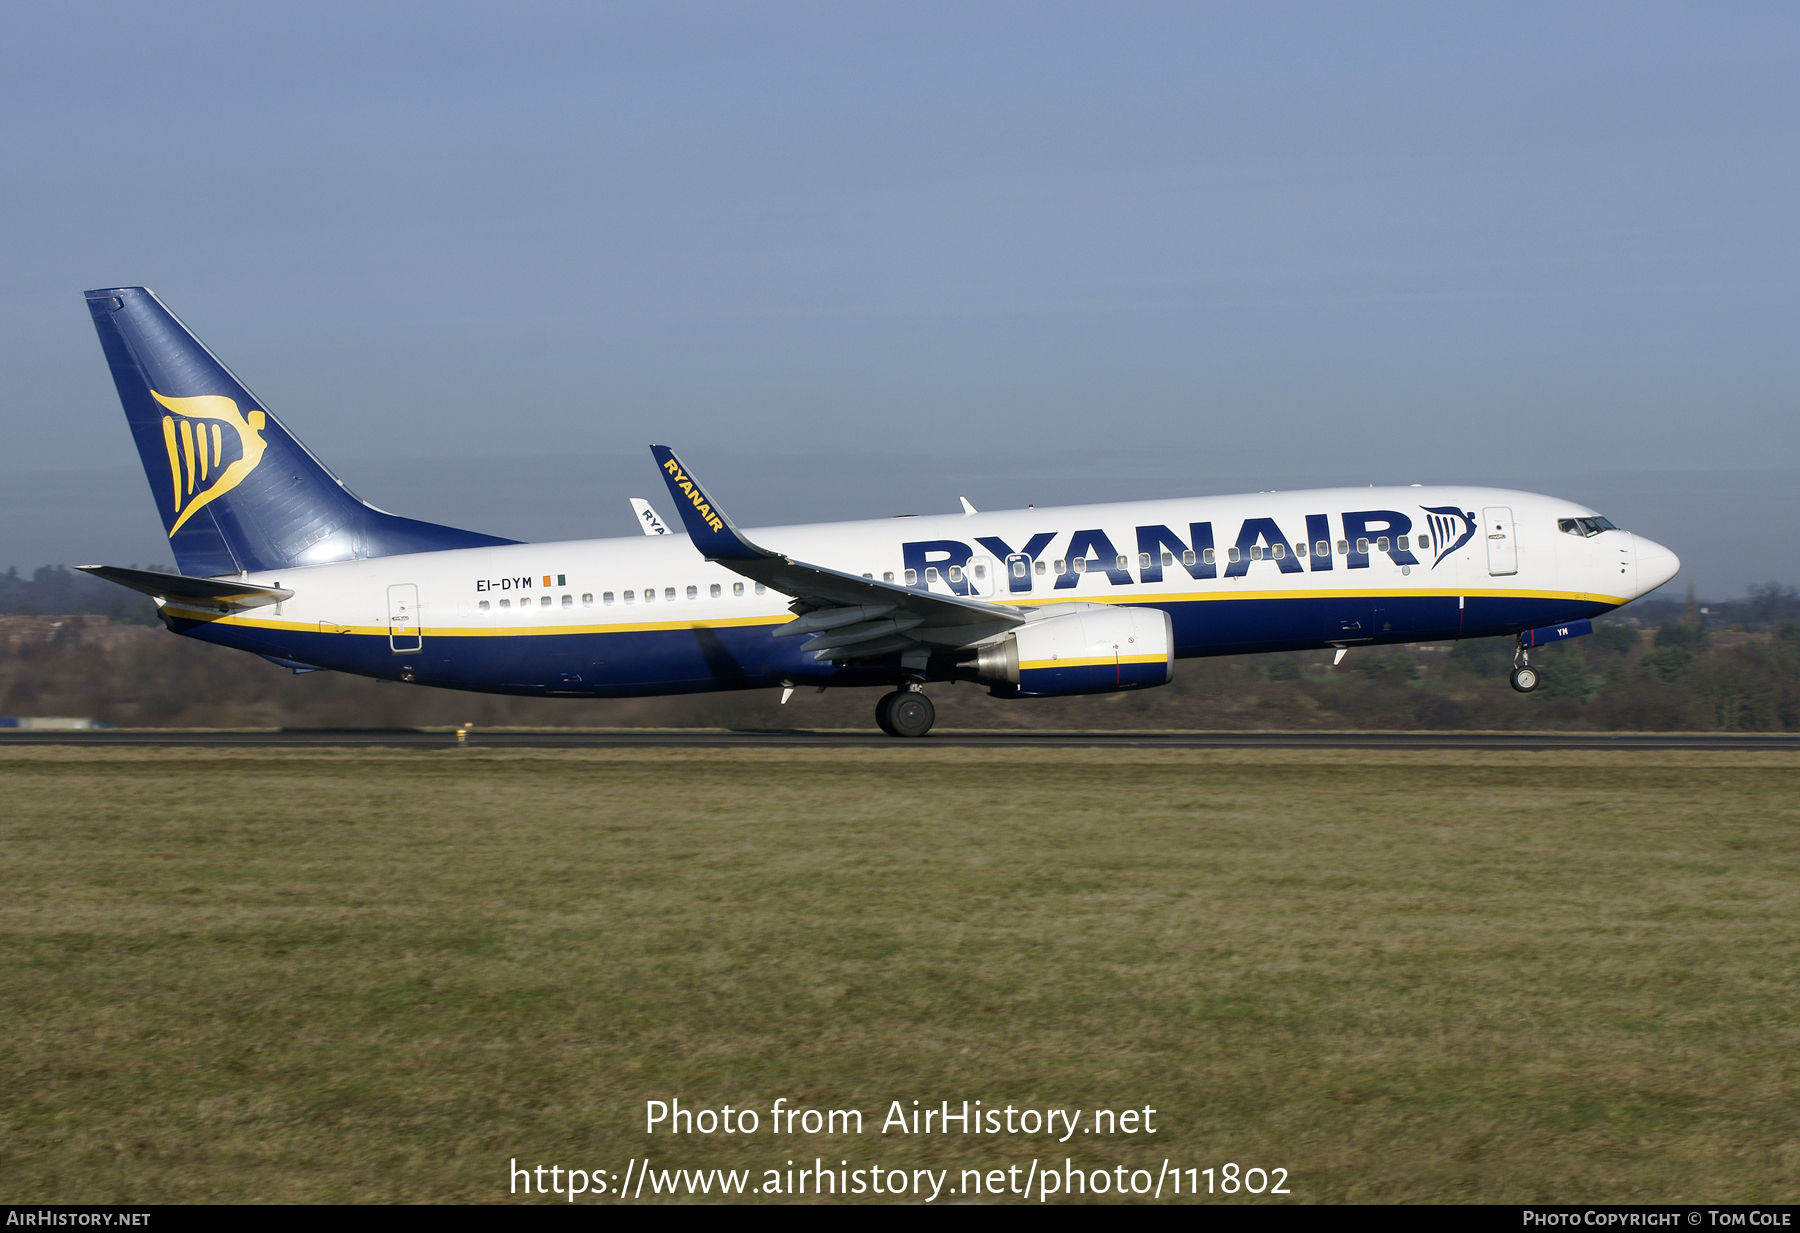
[{"x": 237, "y": 492}]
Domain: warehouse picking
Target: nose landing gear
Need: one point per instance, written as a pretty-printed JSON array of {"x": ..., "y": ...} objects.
[
  {"x": 906, "y": 712},
  {"x": 1524, "y": 677}
]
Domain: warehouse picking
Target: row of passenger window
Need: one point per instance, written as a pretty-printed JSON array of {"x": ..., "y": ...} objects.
[
  {"x": 607, "y": 598},
  {"x": 954, "y": 573}
]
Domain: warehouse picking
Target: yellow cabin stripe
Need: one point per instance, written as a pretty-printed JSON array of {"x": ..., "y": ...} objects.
[
  {"x": 458, "y": 631},
  {"x": 1028, "y": 665},
  {"x": 534, "y": 631}
]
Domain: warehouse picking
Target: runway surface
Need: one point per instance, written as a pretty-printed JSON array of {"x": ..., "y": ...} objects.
[{"x": 564, "y": 738}]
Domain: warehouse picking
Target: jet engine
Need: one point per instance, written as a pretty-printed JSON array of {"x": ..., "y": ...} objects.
[{"x": 1091, "y": 651}]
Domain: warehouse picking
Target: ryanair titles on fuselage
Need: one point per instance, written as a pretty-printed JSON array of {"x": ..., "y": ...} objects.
[{"x": 1360, "y": 534}]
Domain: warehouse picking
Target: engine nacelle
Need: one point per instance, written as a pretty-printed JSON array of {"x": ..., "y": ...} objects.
[{"x": 1092, "y": 651}]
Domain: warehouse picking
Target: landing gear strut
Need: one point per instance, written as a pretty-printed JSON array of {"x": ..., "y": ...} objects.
[
  {"x": 1524, "y": 676},
  {"x": 905, "y": 712}
]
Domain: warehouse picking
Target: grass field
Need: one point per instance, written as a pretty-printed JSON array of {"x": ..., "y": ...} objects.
[{"x": 1402, "y": 977}]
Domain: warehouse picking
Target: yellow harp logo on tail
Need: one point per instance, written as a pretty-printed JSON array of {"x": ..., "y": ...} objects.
[{"x": 193, "y": 433}]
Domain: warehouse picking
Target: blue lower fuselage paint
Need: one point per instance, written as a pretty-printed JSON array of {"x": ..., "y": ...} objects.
[{"x": 699, "y": 659}]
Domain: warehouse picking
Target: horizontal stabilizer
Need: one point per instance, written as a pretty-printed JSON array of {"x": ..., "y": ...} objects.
[{"x": 212, "y": 594}]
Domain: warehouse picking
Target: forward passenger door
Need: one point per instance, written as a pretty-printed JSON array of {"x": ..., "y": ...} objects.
[{"x": 1502, "y": 547}]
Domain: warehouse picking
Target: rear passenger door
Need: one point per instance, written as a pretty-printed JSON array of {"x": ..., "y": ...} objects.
[{"x": 403, "y": 619}]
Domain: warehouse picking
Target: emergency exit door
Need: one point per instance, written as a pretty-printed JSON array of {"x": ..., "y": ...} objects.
[
  {"x": 1502, "y": 545},
  {"x": 403, "y": 619},
  {"x": 981, "y": 575}
]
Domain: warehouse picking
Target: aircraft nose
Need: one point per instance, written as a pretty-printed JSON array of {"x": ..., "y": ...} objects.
[{"x": 1655, "y": 564}]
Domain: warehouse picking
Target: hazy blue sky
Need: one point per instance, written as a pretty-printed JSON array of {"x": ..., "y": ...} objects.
[{"x": 1026, "y": 252}]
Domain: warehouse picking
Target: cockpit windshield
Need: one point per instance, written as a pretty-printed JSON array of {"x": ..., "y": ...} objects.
[{"x": 1587, "y": 528}]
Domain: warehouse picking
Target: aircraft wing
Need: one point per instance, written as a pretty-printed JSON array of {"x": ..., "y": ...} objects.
[
  {"x": 208, "y": 594},
  {"x": 849, "y": 616}
]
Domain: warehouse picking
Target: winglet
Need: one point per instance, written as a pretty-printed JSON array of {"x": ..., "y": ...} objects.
[
  {"x": 647, "y": 519},
  {"x": 712, "y": 532}
]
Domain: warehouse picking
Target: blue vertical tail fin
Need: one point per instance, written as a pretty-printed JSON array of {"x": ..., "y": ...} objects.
[{"x": 237, "y": 492}]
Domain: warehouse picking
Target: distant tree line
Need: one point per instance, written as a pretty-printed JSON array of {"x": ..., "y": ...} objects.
[
  {"x": 54, "y": 590},
  {"x": 1735, "y": 667},
  {"x": 1681, "y": 677},
  {"x": 1764, "y": 606}
]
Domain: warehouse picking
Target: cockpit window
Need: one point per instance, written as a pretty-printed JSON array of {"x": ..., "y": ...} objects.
[{"x": 1587, "y": 528}]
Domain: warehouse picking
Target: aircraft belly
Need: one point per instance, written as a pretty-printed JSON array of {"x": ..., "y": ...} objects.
[
  {"x": 1251, "y": 626},
  {"x": 636, "y": 663}
]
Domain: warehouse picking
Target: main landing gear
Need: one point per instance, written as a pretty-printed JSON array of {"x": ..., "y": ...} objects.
[
  {"x": 906, "y": 712},
  {"x": 1524, "y": 676}
]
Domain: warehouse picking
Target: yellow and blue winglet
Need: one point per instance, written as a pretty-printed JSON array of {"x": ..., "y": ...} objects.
[{"x": 712, "y": 532}]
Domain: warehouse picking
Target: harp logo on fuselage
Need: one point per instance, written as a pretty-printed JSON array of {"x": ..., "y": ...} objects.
[
  {"x": 203, "y": 464},
  {"x": 1452, "y": 528}
]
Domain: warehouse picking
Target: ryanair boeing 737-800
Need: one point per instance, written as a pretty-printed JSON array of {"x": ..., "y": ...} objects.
[{"x": 278, "y": 558}]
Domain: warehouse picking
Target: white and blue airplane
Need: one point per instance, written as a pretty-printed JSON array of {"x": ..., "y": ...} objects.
[{"x": 279, "y": 559}]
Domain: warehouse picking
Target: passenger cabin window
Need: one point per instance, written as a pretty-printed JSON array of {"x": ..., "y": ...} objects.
[
  {"x": 1062, "y": 567},
  {"x": 1040, "y": 569},
  {"x": 587, "y": 599},
  {"x": 1168, "y": 559},
  {"x": 1404, "y": 545},
  {"x": 716, "y": 590},
  {"x": 1381, "y": 544},
  {"x": 1080, "y": 564},
  {"x": 1124, "y": 562},
  {"x": 483, "y": 605},
  {"x": 737, "y": 588},
  {"x": 1234, "y": 555},
  {"x": 1362, "y": 546},
  {"x": 1424, "y": 542},
  {"x": 760, "y": 588},
  {"x": 1343, "y": 547},
  {"x": 1280, "y": 551},
  {"x": 888, "y": 576},
  {"x": 669, "y": 594},
  {"x": 630, "y": 596},
  {"x": 980, "y": 572},
  {"x": 1187, "y": 558},
  {"x": 1019, "y": 570},
  {"x": 956, "y": 573},
  {"x": 931, "y": 574},
  {"x": 1299, "y": 550},
  {"x": 693, "y": 592},
  {"x": 912, "y": 577},
  {"x": 649, "y": 595},
  {"x": 568, "y": 601},
  {"x": 1255, "y": 552},
  {"x": 606, "y": 597},
  {"x": 546, "y": 601},
  {"x": 506, "y": 604},
  {"x": 1209, "y": 557},
  {"x": 1322, "y": 548}
]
